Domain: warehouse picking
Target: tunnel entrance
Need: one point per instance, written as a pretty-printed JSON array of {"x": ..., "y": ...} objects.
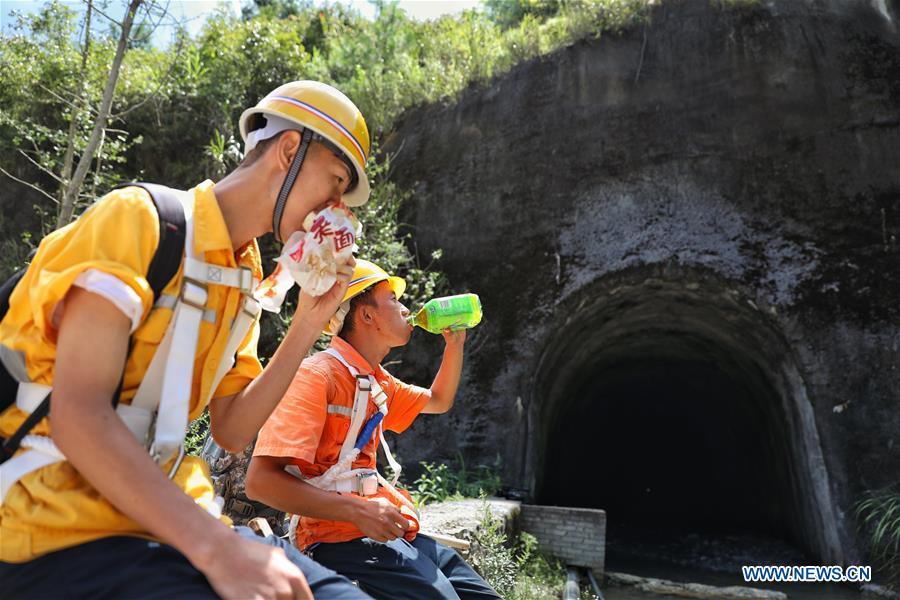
[
  {"x": 675, "y": 407},
  {"x": 684, "y": 441}
]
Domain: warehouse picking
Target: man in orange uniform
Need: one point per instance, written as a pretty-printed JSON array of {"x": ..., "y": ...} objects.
[{"x": 349, "y": 523}]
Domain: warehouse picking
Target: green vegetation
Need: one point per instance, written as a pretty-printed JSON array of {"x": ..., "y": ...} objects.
[
  {"x": 174, "y": 115},
  {"x": 196, "y": 434},
  {"x": 879, "y": 517},
  {"x": 440, "y": 482},
  {"x": 517, "y": 571}
]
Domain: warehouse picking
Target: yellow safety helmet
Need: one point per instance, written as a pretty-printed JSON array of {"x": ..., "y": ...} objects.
[
  {"x": 365, "y": 275},
  {"x": 324, "y": 114}
]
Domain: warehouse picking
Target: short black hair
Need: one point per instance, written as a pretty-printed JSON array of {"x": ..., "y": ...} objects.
[{"x": 364, "y": 297}]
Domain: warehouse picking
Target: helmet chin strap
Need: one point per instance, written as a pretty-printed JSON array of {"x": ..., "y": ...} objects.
[{"x": 289, "y": 180}]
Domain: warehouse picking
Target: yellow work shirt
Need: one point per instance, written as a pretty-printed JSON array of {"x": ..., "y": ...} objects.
[{"x": 54, "y": 507}]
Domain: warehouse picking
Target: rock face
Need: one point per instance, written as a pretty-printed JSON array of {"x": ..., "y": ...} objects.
[{"x": 685, "y": 241}]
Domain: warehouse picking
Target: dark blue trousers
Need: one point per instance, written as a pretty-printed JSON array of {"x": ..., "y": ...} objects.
[
  {"x": 420, "y": 570},
  {"x": 135, "y": 568}
]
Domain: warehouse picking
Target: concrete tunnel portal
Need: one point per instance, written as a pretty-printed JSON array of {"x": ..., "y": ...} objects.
[{"x": 676, "y": 405}]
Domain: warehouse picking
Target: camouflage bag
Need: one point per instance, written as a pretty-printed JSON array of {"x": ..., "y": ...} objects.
[{"x": 228, "y": 474}]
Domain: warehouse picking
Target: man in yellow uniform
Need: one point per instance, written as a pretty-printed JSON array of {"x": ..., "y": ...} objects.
[{"x": 104, "y": 517}]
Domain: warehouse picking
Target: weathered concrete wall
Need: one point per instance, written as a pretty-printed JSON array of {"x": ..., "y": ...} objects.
[
  {"x": 461, "y": 518},
  {"x": 721, "y": 186},
  {"x": 576, "y": 536}
]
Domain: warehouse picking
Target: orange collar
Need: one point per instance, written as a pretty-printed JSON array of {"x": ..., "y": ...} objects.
[{"x": 355, "y": 358}]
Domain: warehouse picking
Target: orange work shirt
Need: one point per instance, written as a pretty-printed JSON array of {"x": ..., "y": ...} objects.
[{"x": 304, "y": 430}]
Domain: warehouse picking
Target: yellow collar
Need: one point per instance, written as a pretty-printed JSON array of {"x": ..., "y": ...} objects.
[
  {"x": 211, "y": 234},
  {"x": 210, "y": 231}
]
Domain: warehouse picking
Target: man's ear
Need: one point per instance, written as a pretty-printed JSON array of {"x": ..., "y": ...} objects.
[
  {"x": 285, "y": 148},
  {"x": 367, "y": 313}
]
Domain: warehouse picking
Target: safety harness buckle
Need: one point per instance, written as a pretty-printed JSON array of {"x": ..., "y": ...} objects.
[
  {"x": 363, "y": 383},
  {"x": 366, "y": 484},
  {"x": 250, "y": 307},
  {"x": 194, "y": 293},
  {"x": 159, "y": 458},
  {"x": 246, "y": 281},
  {"x": 380, "y": 400},
  {"x": 177, "y": 462}
]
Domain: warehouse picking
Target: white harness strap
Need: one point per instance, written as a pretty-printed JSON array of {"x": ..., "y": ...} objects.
[
  {"x": 166, "y": 388},
  {"x": 250, "y": 310},
  {"x": 395, "y": 466},
  {"x": 169, "y": 301},
  {"x": 366, "y": 387},
  {"x": 198, "y": 270},
  {"x": 41, "y": 449},
  {"x": 158, "y": 414},
  {"x": 18, "y": 466}
]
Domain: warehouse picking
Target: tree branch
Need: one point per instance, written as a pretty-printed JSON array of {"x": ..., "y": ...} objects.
[
  {"x": 69, "y": 103},
  {"x": 163, "y": 79},
  {"x": 31, "y": 185},
  {"x": 159, "y": 85},
  {"x": 84, "y": 162},
  {"x": 106, "y": 16},
  {"x": 163, "y": 13},
  {"x": 69, "y": 156},
  {"x": 40, "y": 166}
]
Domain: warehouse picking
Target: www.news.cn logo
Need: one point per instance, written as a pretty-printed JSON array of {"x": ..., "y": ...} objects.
[{"x": 789, "y": 574}]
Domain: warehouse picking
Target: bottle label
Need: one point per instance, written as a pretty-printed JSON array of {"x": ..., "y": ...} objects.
[{"x": 452, "y": 306}]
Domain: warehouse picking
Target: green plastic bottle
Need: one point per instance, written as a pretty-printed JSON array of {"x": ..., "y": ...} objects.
[{"x": 451, "y": 312}]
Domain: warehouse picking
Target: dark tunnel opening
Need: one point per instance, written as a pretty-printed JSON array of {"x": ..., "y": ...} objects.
[
  {"x": 683, "y": 444},
  {"x": 676, "y": 408}
]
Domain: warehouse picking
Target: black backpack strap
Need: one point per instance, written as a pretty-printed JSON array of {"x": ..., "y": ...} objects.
[
  {"x": 8, "y": 383},
  {"x": 11, "y": 444},
  {"x": 7, "y": 288},
  {"x": 167, "y": 258},
  {"x": 163, "y": 267},
  {"x": 172, "y": 233}
]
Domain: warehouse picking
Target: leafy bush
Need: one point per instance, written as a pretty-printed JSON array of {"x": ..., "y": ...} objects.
[
  {"x": 491, "y": 555},
  {"x": 442, "y": 482},
  {"x": 517, "y": 571}
]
